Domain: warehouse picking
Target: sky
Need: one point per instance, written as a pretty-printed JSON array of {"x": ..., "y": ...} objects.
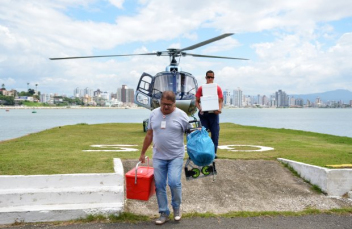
[{"x": 297, "y": 46}]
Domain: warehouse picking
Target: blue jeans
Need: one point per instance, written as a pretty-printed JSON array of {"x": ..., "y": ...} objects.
[{"x": 170, "y": 171}]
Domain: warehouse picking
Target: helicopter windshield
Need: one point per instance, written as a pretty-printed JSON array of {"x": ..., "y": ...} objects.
[
  {"x": 178, "y": 83},
  {"x": 185, "y": 84},
  {"x": 164, "y": 82}
]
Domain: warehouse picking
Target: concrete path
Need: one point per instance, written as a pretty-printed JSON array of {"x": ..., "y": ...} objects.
[{"x": 243, "y": 185}]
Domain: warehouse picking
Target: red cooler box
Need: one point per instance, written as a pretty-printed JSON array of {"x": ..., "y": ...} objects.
[{"x": 140, "y": 183}]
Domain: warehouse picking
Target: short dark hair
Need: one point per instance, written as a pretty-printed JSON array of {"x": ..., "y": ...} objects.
[
  {"x": 209, "y": 71},
  {"x": 169, "y": 95}
]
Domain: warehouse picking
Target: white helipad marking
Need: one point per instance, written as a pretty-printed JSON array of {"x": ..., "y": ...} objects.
[
  {"x": 105, "y": 146},
  {"x": 119, "y": 148},
  {"x": 261, "y": 148}
]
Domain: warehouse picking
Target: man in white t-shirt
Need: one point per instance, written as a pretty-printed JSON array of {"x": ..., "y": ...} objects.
[{"x": 166, "y": 128}]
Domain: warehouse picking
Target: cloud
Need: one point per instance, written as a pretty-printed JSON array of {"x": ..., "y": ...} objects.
[
  {"x": 117, "y": 3},
  {"x": 294, "y": 65},
  {"x": 222, "y": 45},
  {"x": 293, "y": 45}
]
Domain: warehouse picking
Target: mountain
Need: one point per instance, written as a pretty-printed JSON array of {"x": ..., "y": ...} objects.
[{"x": 336, "y": 95}]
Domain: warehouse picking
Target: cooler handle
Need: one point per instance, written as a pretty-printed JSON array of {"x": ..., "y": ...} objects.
[{"x": 135, "y": 177}]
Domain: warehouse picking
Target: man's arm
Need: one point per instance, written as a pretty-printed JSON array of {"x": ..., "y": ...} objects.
[
  {"x": 221, "y": 101},
  {"x": 198, "y": 95},
  {"x": 147, "y": 141},
  {"x": 198, "y": 104}
]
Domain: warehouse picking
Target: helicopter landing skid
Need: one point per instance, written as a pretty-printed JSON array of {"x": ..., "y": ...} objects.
[{"x": 193, "y": 171}]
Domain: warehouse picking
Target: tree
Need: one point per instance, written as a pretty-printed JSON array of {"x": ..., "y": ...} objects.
[
  {"x": 3, "y": 86},
  {"x": 7, "y": 100},
  {"x": 31, "y": 92}
]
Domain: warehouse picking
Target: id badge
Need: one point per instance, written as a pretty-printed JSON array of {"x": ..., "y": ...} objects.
[{"x": 163, "y": 125}]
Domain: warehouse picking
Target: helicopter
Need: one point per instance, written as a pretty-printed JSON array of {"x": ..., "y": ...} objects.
[{"x": 183, "y": 84}]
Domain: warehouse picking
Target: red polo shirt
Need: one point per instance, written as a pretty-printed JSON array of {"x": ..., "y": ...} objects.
[{"x": 200, "y": 92}]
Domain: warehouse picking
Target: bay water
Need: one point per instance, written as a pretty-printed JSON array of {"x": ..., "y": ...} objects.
[{"x": 19, "y": 122}]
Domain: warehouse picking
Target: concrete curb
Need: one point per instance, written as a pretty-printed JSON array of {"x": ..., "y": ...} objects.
[
  {"x": 44, "y": 198},
  {"x": 334, "y": 182}
]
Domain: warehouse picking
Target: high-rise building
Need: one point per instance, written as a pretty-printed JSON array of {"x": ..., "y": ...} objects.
[
  {"x": 97, "y": 93},
  {"x": 130, "y": 96},
  {"x": 237, "y": 98},
  {"x": 281, "y": 99},
  {"x": 308, "y": 103},
  {"x": 227, "y": 97},
  {"x": 265, "y": 100},
  {"x": 44, "y": 98},
  {"x": 318, "y": 102},
  {"x": 299, "y": 102},
  {"x": 125, "y": 94},
  {"x": 247, "y": 101},
  {"x": 105, "y": 95},
  {"x": 273, "y": 102},
  {"x": 292, "y": 101},
  {"x": 259, "y": 100},
  {"x": 118, "y": 94},
  {"x": 80, "y": 93},
  {"x": 88, "y": 92},
  {"x": 77, "y": 92}
]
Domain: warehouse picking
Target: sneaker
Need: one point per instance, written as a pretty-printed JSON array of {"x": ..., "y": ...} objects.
[
  {"x": 177, "y": 214},
  {"x": 162, "y": 219}
]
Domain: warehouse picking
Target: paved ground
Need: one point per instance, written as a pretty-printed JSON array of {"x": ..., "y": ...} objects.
[
  {"x": 322, "y": 221},
  {"x": 241, "y": 185}
]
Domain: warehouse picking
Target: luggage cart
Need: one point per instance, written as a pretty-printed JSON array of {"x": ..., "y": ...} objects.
[{"x": 193, "y": 171}]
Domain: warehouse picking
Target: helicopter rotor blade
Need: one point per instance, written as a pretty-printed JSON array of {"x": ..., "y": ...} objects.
[
  {"x": 208, "y": 56},
  {"x": 170, "y": 52},
  {"x": 206, "y": 42},
  {"x": 83, "y": 57}
]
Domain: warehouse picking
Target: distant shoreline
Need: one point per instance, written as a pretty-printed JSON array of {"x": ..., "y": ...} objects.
[
  {"x": 15, "y": 108},
  {"x": 73, "y": 107}
]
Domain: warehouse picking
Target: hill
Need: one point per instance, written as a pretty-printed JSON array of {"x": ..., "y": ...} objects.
[{"x": 336, "y": 95}]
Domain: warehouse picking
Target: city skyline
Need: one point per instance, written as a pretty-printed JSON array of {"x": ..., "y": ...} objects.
[{"x": 236, "y": 98}]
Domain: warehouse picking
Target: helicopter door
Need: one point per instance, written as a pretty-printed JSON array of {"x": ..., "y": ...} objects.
[{"x": 144, "y": 91}]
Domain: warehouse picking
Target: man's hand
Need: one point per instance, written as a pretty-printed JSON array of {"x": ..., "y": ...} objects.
[
  {"x": 142, "y": 158},
  {"x": 147, "y": 141},
  {"x": 217, "y": 112}
]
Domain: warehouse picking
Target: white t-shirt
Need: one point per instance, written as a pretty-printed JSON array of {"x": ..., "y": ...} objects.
[{"x": 168, "y": 142}]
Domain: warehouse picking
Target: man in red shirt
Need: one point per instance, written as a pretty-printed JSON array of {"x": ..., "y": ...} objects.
[{"x": 210, "y": 119}]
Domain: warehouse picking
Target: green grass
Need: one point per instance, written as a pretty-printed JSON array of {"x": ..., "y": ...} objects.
[
  {"x": 124, "y": 217},
  {"x": 59, "y": 150},
  {"x": 308, "y": 147},
  {"x": 245, "y": 214},
  {"x": 34, "y": 104}
]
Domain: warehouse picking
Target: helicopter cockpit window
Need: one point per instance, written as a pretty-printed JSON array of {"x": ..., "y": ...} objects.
[
  {"x": 185, "y": 84},
  {"x": 144, "y": 84},
  {"x": 163, "y": 82},
  {"x": 181, "y": 84}
]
